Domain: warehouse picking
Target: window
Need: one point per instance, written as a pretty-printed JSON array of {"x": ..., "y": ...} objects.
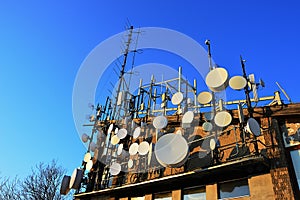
[
  {"x": 194, "y": 194},
  {"x": 137, "y": 198},
  {"x": 296, "y": 163},
  {"x": 163, "y": 196},
  {"x": 236, "y": 188}
]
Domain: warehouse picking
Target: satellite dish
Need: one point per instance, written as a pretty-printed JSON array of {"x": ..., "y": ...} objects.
[
  {"x": 207, "y": 126},
  {"x": 120, "y": 149},
  {"x": 76, "y": 178},
  {"x": 136, "y": 132},
  {"x": 223, "y": 119},
  {"x": 143, "y": 148},
  {"x": 115, "y": 169},
  {"x": 65, "y": 185},
  {"x": 188, "y": 117},
  {"x": 209, "y": 116},
  {"x": 177, "y": 98},
  {"x": 212, "y": 144},
  {"x": 171, "y": 149},
  {"x": 204, "y": 97},
  {"x": 110, "y": 128},
  {"x": 84, "y": 137},
  {"x": 87, "y": 157},
  {"x": 89, "y": 165},
  {"x": 122, "y": 133},
  {"x": 253, "y": 127},
  {"x": 150, "y": 153},
  {"x": 130, "y": 163},
  {"x": 115, "y": 140},
  {"x": 217, "y": 79},
  {"x": 133, "y": 149},
  {"x": 160, "y": 122},
  {"x": 93, "y": 146},
  {"x": 237, "y": 82}
]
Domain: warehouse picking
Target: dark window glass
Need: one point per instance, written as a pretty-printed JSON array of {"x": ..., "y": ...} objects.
[
  {"x": 296, "y": 163},
  {"x": 163, "y": 196},
  {"x": 235, "y": 188},
  {"x": 194, "y": 194}
]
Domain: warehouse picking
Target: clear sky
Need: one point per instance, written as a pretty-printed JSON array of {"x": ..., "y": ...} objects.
[{"x": 43, "y": 43}]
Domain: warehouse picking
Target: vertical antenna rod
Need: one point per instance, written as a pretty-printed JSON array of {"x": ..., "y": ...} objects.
[
  {"x": 247, "y": 90},
  {"x": 123, "y": 69}
]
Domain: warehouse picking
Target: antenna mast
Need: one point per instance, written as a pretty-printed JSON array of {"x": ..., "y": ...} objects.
[{"x": 122, "y": 70}]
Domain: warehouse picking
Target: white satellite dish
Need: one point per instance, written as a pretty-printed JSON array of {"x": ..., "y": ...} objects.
[
  {"x": 150, "y": 153},
  {"x": 160, "y": 122},
  {"x": 207, "y": 126},
  {"x": 171, "y": 149},
  {"x": 143, "y": 148},
  {"x": 237, "y": 82},
  {"x": 110, "y": 128},
  {"x": 217, "y": 79},
  {"x": 115, "y": 169},
  {"x": 188, "y": 117},
  {"x": 130, "y": 163},
  {"x": 136, "y": 132},
  {"x": 120, "y": 149},
  {"x": 177, "y": 98},
  {"x": 87, "y": 157},
  {"x": 223, "y": 119},
  {"x": 122, "y": 133},
  {"x": 89, "y": 165},
  {"x": 204, "y": 97},
  {"x": 133, "y": 149},
  {"x": 212, "y": 144},
  {"x": 115, "y": 140},
  {"x": 253, "y": 127}
]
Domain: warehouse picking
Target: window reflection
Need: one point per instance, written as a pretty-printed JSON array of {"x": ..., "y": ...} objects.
[
  {"x": 235, "y": 188},
  {"x": 296, "y": 163},
  {"x": 163, "y": 196},
  {"x": 195, "y": 194}
]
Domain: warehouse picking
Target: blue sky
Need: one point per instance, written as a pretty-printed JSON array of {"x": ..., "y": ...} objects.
[{"x": 42, "y": 45}]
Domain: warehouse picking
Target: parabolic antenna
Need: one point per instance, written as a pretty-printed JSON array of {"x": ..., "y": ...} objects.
[
  {"x": 204, "y": 97},
  {"x": 84, "y": 137},
  {"x": 65, "y": 185},
  {"x": 212, "y": 144},
  {"x": 110, "y": 128},
  {"x": 120, "y": 149},
  {"x": 253, "y": 127},
  {"x": 209, "y": 116},
  {"x": 188, "y": 117},
  {"x": 160, "y": 122},
  {"x": 217, "y": 79},
  {"x": 133, "y": 149},
  {"x": 89, "y": 165},
  {"x": 87, "y": 157},
  {"x": 114, "y": 169},
  {"x": 115, "y": 140},
  {"x": 207, "y": 126},
  {"x": 237, "y": 82},
  {"x": 223, "y": 119},
  {"x": 171, "y": 149},
  {"x": 177, "y": 98},
  {"x": 130, "y": 163},
  {"x": 143, "y": 148},
  {"x": 136, "y": 132},
  {"x": 76, "y": 178},
  {"x": 122, "y": 133}
]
